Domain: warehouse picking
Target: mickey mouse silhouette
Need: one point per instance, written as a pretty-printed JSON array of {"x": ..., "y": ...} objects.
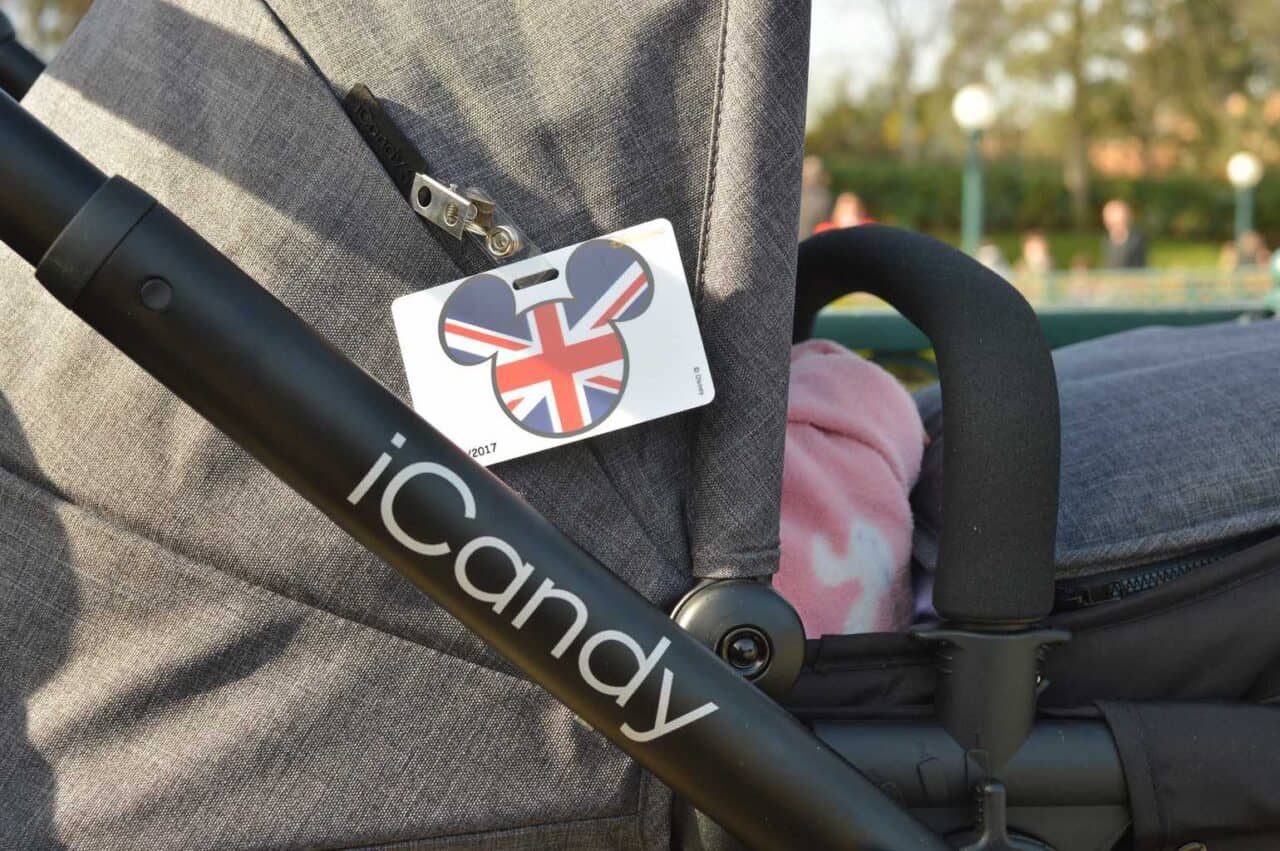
[{"x": 559, "y": 367}]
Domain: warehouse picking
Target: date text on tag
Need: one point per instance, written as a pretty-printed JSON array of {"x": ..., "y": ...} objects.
[{"x": 574, "y": 343}]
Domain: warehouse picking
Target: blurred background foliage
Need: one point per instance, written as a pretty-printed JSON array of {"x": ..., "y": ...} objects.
[
  {"x": 44, "y": 25},
  {"x": 1032, "y": 195},
  {"x": 1139, "y": 99}
]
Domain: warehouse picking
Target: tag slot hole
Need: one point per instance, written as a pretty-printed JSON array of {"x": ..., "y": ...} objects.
[{"x": 536, "y": 278}]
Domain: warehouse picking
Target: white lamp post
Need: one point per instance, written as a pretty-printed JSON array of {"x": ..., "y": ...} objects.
[
  {"x": 1244, "y": 170},
  {"x": 974, "y": 109}
]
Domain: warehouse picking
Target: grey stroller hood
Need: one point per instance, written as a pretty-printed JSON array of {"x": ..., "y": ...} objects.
[{"x": 193, "y": 636}]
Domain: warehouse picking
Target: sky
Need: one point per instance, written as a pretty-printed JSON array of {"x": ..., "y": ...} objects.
[{"x": 852, "y": 37}]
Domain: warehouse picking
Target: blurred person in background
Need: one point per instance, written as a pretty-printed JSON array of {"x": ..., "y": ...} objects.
[
  {"x": 848, "y": 212},
  {"x": 1081, "y": 288},
  {"x": 1036, "y": 258},
  {"x": 1124, "y": 246},
  {"x": 1251, "y": 251},
  {"x": 990, "y": 255},
  {"x": 1034, "y": 266},
  {"x": 1229, "y": 257},
  {"x": 815, "y": 198}
]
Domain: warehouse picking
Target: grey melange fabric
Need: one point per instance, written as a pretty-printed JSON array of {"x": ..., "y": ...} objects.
[
  {"x": 1169, "y": 446},
  {"x": 192, "y": 657}
]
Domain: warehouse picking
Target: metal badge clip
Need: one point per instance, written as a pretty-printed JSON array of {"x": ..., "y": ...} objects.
[{"x": 469, "y": 211}]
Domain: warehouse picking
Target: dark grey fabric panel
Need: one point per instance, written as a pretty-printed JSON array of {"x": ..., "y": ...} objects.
[
  {"x": 746, "y": 281},
  {"x": 208, "y": 107},
  {"x": 1169, "y": 445},
  {"x": 150, "y": 701},
  {"x": 1207, "y": 636},
  {"x": 1200, "y": 772},
  {"x": 581, "y": 118}
]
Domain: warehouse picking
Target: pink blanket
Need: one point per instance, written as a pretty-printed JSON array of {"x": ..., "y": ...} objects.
[{"x": 854, "y": 445}]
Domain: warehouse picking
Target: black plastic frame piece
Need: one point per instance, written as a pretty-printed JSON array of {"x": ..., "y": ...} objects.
[
  {"x": 1063, "y": 763},
  {"x": 19, "y": 67},
  {"x": 256, "y": 371},
  {"x": 720, "y": 612},
  {"x": 987, "y": 689},
  {"x": 80, "y": 250},
  {"x": 1065, "y": 787},
  {"x": 1000, "y": 398}
]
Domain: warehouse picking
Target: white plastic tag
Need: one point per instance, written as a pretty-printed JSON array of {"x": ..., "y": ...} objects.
[{"x": 507, "y": 363}]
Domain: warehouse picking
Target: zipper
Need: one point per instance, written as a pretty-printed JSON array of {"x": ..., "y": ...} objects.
[{"x": 1118, "y": 584}]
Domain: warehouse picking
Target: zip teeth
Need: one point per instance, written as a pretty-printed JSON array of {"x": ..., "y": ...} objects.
[
  {"x": 1077, "y": 597},
  {"x": 1147, "y": 581},
  {"x": 1068, "y": 596}
]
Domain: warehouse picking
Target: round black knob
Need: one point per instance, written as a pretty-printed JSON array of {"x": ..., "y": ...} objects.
[
  {"x": 156, "y": 294},
  {"x": 748, "y": 625},
  {"x": 747, "y": 650},
  {"x": 744, "y": 652}
]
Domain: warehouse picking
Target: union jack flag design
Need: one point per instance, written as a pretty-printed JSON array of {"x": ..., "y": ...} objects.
[{"x": 559, "y": 367}]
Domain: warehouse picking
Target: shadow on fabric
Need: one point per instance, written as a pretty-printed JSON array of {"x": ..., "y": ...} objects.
[{"x": 38, "y": 602}]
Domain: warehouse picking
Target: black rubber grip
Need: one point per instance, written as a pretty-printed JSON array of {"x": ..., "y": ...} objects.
[{"x": 1000, "y": 401}]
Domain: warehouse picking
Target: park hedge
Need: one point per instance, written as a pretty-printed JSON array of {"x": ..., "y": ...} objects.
[{"x": 1024, "y": 196}]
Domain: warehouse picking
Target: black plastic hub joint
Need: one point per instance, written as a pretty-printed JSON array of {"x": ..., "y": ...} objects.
[
  {"x": 750, "y": 626},
  {"x": 987, "y": 688}
]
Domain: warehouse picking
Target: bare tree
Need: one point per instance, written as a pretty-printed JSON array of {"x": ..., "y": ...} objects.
[
  {"x": 1050, "y": 43},
  {"x": 913, "y": 25}
]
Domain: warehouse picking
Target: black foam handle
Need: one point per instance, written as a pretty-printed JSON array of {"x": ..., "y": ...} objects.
[{"x": 1000, "y": 402}]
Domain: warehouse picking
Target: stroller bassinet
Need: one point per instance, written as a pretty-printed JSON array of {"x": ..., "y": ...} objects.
[{"x": 196, "y": 657}]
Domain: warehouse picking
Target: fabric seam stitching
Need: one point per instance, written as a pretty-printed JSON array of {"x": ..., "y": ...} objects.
[{"x": 704, "y": 240}]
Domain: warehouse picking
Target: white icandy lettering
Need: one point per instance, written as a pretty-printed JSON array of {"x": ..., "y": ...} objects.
[{"x": 546, "y": 592}]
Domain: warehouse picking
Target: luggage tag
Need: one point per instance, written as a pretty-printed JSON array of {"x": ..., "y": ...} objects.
[{"x": 571, "y": 344}]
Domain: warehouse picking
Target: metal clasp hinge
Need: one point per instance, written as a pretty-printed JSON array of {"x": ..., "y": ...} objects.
[{"x": 468, "y": 211}]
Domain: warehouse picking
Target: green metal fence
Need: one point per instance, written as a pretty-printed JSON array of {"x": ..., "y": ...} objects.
[{"x": 1075, "y": 306}]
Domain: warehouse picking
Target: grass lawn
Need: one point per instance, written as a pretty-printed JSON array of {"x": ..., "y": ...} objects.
[{"x": 1065, "y": 245}]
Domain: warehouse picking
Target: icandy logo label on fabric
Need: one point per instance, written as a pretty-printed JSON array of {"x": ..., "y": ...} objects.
[{"x": 581, "y": 341}]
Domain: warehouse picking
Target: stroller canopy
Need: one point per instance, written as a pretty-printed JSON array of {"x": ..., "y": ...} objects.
[{"x": 186, "y": 623}]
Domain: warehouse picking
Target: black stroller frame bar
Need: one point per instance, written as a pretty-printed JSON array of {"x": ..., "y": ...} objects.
[
  {"x": 19, "y": 67},
  {"x": 188, "y": 316}
]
